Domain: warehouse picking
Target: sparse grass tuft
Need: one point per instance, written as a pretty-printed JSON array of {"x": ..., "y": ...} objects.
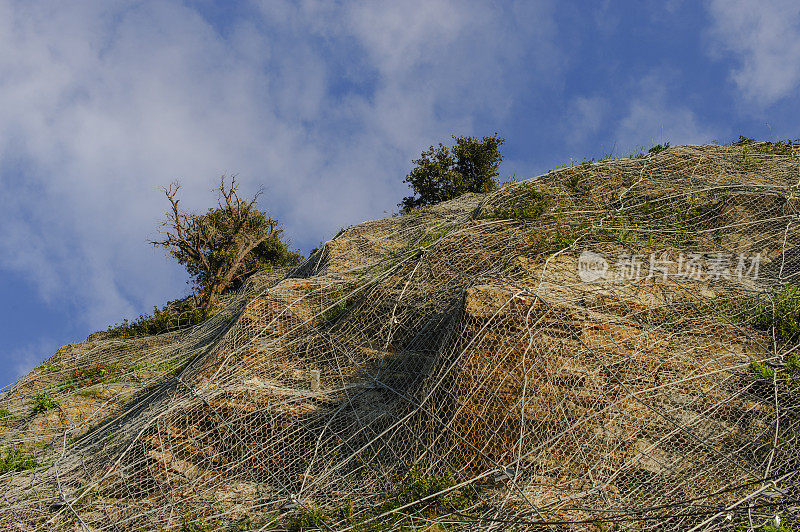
[
  {"x": 88, "y": 376},
  {"x": 91, "y": 393},
  {"x": 174, "y": 316},
  {"x": 307, "y": 519},
  {"x": 43, "y": 403},
  {"x": 16, "y": 460},
  {"x": 779, "y": 312},
  {"x": 197, "y": 525},
  {"x": 416, "y": 486},
  {"x": 769, "y": 528},
  {"x": 334, "y": 312},
  {"x": 762, "y": 371},
  {"x": 526, "y": 202}
]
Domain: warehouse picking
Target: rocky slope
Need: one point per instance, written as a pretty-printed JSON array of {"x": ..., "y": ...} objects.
[{"x": 584, "y": 349}]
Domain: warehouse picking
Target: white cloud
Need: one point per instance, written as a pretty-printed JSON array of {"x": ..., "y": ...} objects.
[
  {"x": 584, "y": 118},
  {"x": 652, "y": 118},
  {"x": 103, "y": 102},
  {"x": 765, "y": 37}
]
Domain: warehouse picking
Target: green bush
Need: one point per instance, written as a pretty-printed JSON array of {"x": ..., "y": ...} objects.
[
  {"x": 658, "y": 148},
  {"x": 762, "y": 371},
  {"x": 526, "y": 204},
  {"x": 306, "y": 519},
  {"x": 334, "y": 312},
  {"x": 43, "y": 403},
  {"x": 15, "y": 460},
  {"x": 415, "y": 486},
  {"x": 780, "y": 312},
  {"x": 88, "y": 376},
  {"x": 5, "y": 414},
  {"x": 174, "y": 316},
  {"x": 443, "y": 173}
]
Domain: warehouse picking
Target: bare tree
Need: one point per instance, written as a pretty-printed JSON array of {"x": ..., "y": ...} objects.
[{"x": 217, "y": 247}]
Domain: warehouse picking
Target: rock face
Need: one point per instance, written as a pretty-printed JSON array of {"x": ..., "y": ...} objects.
[{"x": 457, "y": 366}]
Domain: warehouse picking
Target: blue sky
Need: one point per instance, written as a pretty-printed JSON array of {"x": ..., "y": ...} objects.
[{"x": 325, "y": 104}]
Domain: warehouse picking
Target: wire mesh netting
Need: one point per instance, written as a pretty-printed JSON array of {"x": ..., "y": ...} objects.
[{"x": 612, "y": 344}]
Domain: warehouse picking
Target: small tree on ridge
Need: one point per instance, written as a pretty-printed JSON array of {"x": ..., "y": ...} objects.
[
  {"x": 226, "y": 244},
  {"x": 443, "y": 173}
]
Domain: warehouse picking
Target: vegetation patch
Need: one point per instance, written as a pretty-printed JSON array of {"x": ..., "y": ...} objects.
[
  {"x": 15, "y": 460},
  {"x": 658, "y": 148},
  {"x": 656, "y": 221},
  {"x": 780, "y": 147},
  {"x": 766, "y": 528},
  {"x": 42, "y": 403},
  {"x": 162, "y": 366},
  {"x": 548, "y": 241},
  {"x": 416, "y": 486},
  {"x": 91, "y": 393},
  {"x": 174, "y": 316},
  {"x": 780, "y": 312},
  {"x": 762, "y": 371},
  {"x": 6, "y": 414},
  {"x": 574, "y": 185},
  {"x": 527, "y": 202},
  {"x": 307, "y": 519},
  {"x": 333, "y": 312},
  {"x": 89, "y": 376}
]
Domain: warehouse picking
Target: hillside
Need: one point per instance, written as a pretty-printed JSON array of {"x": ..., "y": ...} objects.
[{"x": 609, "y": 344}]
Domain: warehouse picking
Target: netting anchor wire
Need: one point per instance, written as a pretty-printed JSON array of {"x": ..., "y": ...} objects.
[
  {"x": 58, "y": 479},
  {"x": 205, "y": 401},
  {"x": 773, "y": 484},
  {"x": 319, "y": 440},
  {"x": 393, "y": 319}
]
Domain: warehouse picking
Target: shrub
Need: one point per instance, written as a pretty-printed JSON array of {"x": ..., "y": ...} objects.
[
  {"x": 224, "y": 245},
  {"x": 762, "y": 372},
  {"x": 306, "y": 519},
  {"x": 334, "y": 311},
  {"x": 174, "y": 316},
  {"x": 5, "y": 414},
  {"x": 43, "y": 403},
  {"x": 15, "y": 460},
  {"x": 658, "y": 148},
  {"x": 416, "y": 486},
  {"x": 443, "y": 173},
  {"x": 780, "y": 312},
  {"x": 526, "y": 203}
]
